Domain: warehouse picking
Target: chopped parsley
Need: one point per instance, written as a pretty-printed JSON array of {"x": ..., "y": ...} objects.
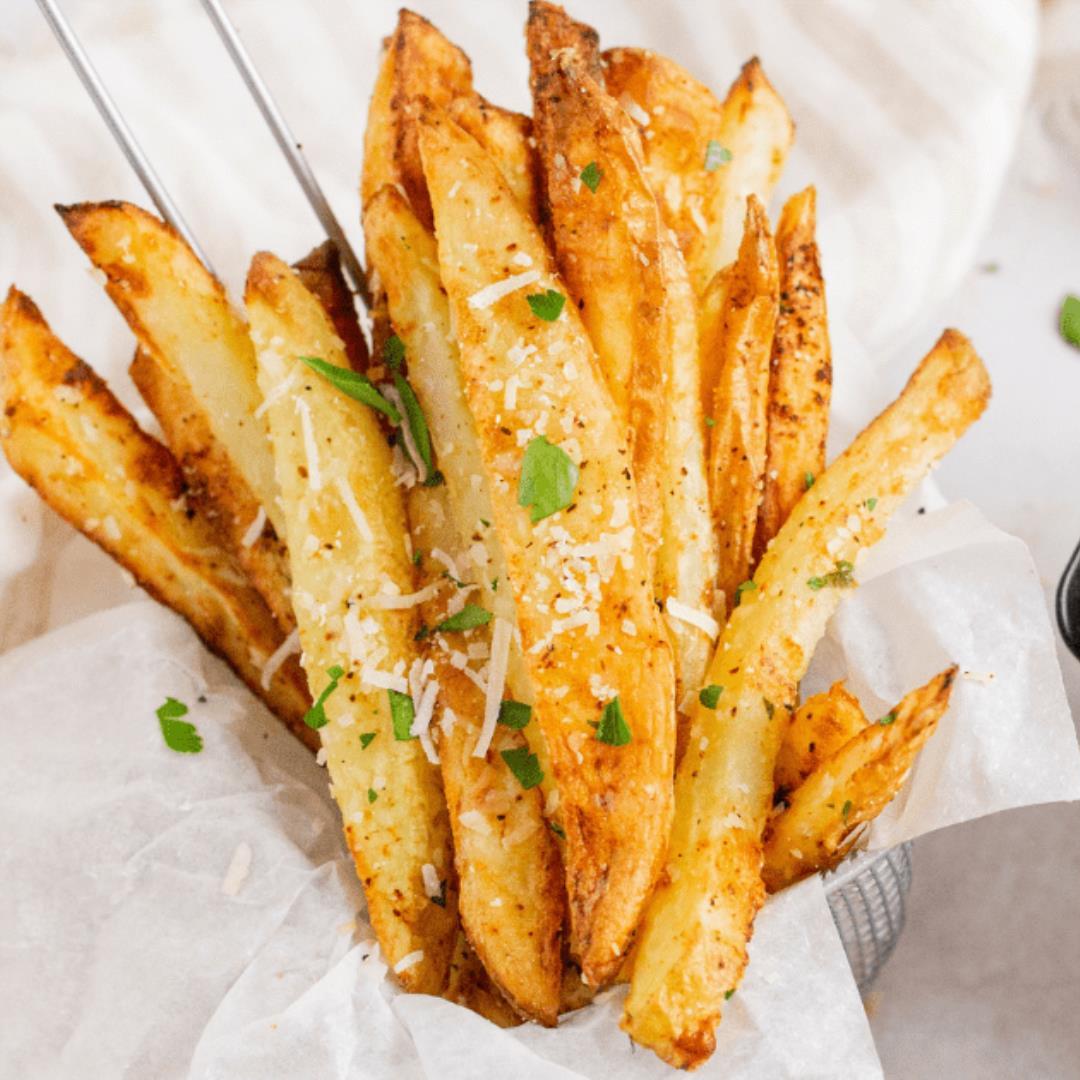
[
  {"x": 402, "y": 715},
  {"x": 613, "y": 728},
  {"x": 710, "y": 422},
  {"x": 870, "y": 504},
  {"x": 888, "y": 718},
  {"x": 1070, "y": 320},
  {"x": 525, "y": 766},
  {"x": 372, "y": 794},
  {"x": 417, "y": 557},
  {"x": 394, "y": 352},
  {"x": 808, "y": 481},
  {"x": 315, "y": 717},
  {"x": 845, "y": 810},
  {"x": 366, "y": 739},
  {"x": 353, "y": 384},
  {"x": 728, "y": 994},
  {"x": 546, "y": 305},
  {"x": 548, "y": 479},
  {"x": 710, "y": 695},
  {"x": 468, "y": 618},
  {"x": 414, "y": 417},
  {"x": 179, "y": 735},
  {"x": 557, "y": 829},
  {"x": 591, "y": 176},
  {"x": 514, "y": 714},
  {"x": 716, "y": 154},
  {"x": 840, "y": 578},
  {"x": 746, "y": 586}
]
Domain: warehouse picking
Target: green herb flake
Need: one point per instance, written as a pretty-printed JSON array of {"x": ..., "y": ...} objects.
[
  {"x": 548, "y": 479},
  {"x": 367, "y": 738},
  {"x": 372, "y": 794},
  {"x": 394, "y": 352},
  {"x": 514, "y": 714},
  {"x": 421, "y": 437},
  {"x": 417, "y": 558},
  {"x": 846, "y": 810},
  {"x": 402, "y": 715},
  {"x": 525, "y": 766},
  {"x": 613, "y": 728},
  {"x": 729, "y": 994},
  {"x": 557, "y": 829},
  {"x": 1070, "y": 320},
  {"x": 808, "y": 481},
  {"x": 716, "y": 154},
  {"x": 546, "y": 305},
  {"x": 353, "y": 384},
  {"x": 840, "y": 578},
  {"x": 179, "y": 735},
  {"x": 316, "y": 717},
  {"x": 870, "y": 504},
  {"x": 591, "y": 176},
  {"x": 746, "y": 586},
  {"x": 710, "y": 695},
  {"x": 888, "y": 718},
  {"x": 710, "y": 422},
  {"x": 468, "y": 618}
]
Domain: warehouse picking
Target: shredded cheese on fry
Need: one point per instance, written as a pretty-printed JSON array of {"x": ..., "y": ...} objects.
[
  {"x": 349, "y": 499},
  {"x": 278, "y": 657},
  {"x": 489, "y": 294},
  {"x": 254, "y": 530},
  {"x": 496, "y": 683},
  {"x": 406, "y": 962},
  {"x": 311, "y": 450},
  {"x": 399, "y": 602},
  {"x": 432, "y": 884},
  {"x": 694, "y": 616}
]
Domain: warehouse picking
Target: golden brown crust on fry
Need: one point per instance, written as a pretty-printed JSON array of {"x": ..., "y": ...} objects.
[
  {"x": 691, "y": 947},
  {"x": 814, "y": 830},
  {"x": 614, "y": 799},
  {"x": 818, "y": 728},
  {"x": 66, "y": 434},
  {"x": 800, "y": 379},
  {"x": 320, "y": 273},
  {"x": 469, "y": 985},
  {"x": 739, "y": 351}
]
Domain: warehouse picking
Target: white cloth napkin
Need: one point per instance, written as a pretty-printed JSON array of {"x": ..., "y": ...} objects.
[{"x": 121, "y": 953}]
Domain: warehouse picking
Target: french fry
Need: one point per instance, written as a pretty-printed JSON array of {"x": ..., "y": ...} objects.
[
  {"x": 510, "y": 891},
  {"x": 691, "y": 946},
  {"x": 68, "y": 437},
  {"x": 703, "y": 157},
  {"x": 512, "y": 861},
  {"x": 628, "y": 280},
  {"x": 738, "y": 351},
  {"x": 800, "y": 379},
  {"x": 320, "y": 273},
  {"x": 819, "y": 727},
  {"x": 579, "y": 574},
  {"x": 550, "y": 32},
  {"x": 345, "y": 529},
  {"x": 468, "y": 985},
  {"x": 851, "y": 787},
  {"x": 711, "y": 307},
  {"x": 206, "y": 399}
]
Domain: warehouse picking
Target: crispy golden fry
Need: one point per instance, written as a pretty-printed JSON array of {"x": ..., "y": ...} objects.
[
  {"x": 347, "y": 544},
  {"x": 426, "y": 65},
  {"x": 320, "y": 273},
  {"x": 692, "y": 944},
  {"x": 800, "y": 379},
  {"x": 851, "y": 787},
  {"x": 580, "y": 578},
  {"x": 510, "y": 891},
  {"x": 507, "y": 137},
  {"x": 78, "y": 447},
  {"x": 711, "y": 308},
  {"x": 518, "y": 938},
  {"x": 703, "y": 195},
  {"x": 205, "y": 397},
  {"x": 380, "y": 135},
  {"x": 204, "y": 461},
  {"x": 739, "y": 352},
  {"x": 469, "y": 985},
  {"x": 550, "y": 32},
  {"x": 629, "y": 282},
  {"x": 819, "y": 727}
]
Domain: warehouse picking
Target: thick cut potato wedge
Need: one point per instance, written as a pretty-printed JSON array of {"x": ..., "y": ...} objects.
[
  {"x": 78, "y": 447},
  {"x": 739, "y": 350},
  {"x": 345, "y": 528},
  {"x": 510, "y": 890},
  {"x": 703, "y": 195},
  {"x": 204, "y": 461},
  {"x": 551, "y": 33},
  {"x": 468, "y": 985},
  {"x": 629, "y": 282},
  {"x": 819, "y": 727},
  {"x": 692, "y": 943},
  {"x": 589, "y": 629},
  {"x": 320, "y": 273},
  {"x": 851, "y": 787},
  {"x": 800, "y": 378}
]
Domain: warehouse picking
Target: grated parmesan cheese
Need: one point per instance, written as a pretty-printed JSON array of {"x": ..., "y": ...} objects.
[
  {"x": 432, "y": 884},
  {"x": 634, "y": 110},
  {"x": 254, "y": 530},
  {"x": 408, "y": 961},
  {"x": 473, "y": 819},
  {"x": 386, "y": 601},
  {"x": 489, "y": 294},
  {"x": 694, "y": 616},
  {"x": 278, "y": 657},
  {"x": 239, "y": 868},
  {"x": 349, "y": 499},
  {"x": 496, "y": 683},
  {"x": 310, "y": 448}
]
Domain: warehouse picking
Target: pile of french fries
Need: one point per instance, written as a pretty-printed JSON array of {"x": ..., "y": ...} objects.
[{"x": 541, "y": 568}]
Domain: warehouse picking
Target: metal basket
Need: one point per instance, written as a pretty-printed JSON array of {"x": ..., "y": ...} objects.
[{"x": 867, "y": 895}]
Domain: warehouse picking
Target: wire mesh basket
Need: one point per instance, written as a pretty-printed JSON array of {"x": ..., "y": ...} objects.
[{"x": 867, "y": 895}]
